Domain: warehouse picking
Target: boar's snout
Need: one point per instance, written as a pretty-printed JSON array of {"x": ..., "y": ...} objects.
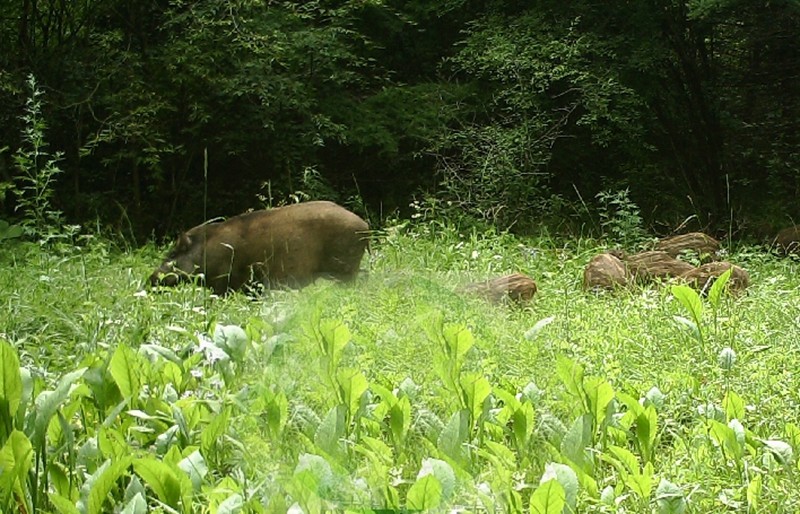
[{"x": 166, "y": 275}]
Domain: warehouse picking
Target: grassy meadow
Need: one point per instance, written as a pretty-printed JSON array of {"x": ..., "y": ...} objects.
[{"x": 396, "y": 393}]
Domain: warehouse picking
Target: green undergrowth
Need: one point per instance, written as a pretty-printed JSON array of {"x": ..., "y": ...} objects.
[{"x": 398, "y": 392}]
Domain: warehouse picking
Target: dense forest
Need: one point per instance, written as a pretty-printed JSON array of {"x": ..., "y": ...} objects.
[{"x": 157, "y": 113}]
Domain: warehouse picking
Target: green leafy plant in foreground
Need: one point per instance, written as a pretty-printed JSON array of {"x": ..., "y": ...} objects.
[
  {"x": 311, "y": 406},
  {"x": 114, "y": 431}
]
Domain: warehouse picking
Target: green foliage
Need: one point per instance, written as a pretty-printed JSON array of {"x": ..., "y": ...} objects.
[
  {"x": 392, "y": 393},
  {"x": 620, "y": 218},
  {"x": 35, "y": 187}
]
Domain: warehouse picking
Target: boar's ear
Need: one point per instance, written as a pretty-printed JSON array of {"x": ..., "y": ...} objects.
[{"x": 184, "y": 242}]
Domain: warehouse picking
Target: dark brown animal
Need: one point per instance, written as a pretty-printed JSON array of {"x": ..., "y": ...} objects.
[
  {"x": 788, "y": 240},
  {"x": 287, "y": 246},
  {"x": 606, "y": 271},
  {"x": 702, "y": 244},
  {"x": 516, "y": 287},
  {"x": 702, "y": 277},
  {"x": 652, "y": 265}
]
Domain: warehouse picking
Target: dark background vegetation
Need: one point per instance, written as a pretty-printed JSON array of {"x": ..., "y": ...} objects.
[{"x": 516, "y": 112}]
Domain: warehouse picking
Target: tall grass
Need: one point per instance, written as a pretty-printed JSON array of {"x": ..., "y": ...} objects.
[{"x": 397, "y": 391}]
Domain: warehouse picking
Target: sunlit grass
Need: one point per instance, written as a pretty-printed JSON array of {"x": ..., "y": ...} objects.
[{"x": 63, "y": 307}]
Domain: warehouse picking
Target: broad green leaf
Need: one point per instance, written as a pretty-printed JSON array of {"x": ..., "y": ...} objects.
[
  {"x": 754, "y": 493},
  {"x": 126, "y": 369},
  {"x": 726, "y": 437},
  {"x": 608, "y": 496},
  {"x": 10, "y": 387},
  {"x": 135, "y": 487},
  {"x": 334, "y": 337},
  {"x": 509, "y": 400},
  {"x": 502, "y": 455},
  {"x": 48, "y": 402},
  {"x": 112, "y": 443},
  {"x": 718, "y": 287},
  {"x": 626, "y": 458},
  {"x": 59, "y": 480},
  {"x": 233, "y": 504},
  {"x": 670, "y": 498},
  {"x": 136, "y": 505},
  {"x": 734, "y": 406},
  {"x": 277, "y": 414},
  {"x": 454, "y": 435},
  {"x": 102, "y": 481},
  {"x": 523, "y": 423},
  {"x": 215, "y": 429},
  {"x": 304, "y": 488},
  {"x": 576, "y": 440},
  {"x": 331, "y": 431},
  {"x": 232, "y": 340},
  {"x": 319, "y": 468},
  {"x": 690, "y": 300},
  {"x": 599, "y": 393},
  {"x": 691, "y": 325},
  {"x": 655, "y": 397},
  {"x": 476, "y": 390},
  {"x": 443, "y": 473},
  {"x": 548, "y": 498},
  {"x": 353, "y": 385},
  {"x": 27, "y": 394},
  {"x": 376, "y": 450},
  {"x": 635, "y": 409},
  {"x": 738, "y": 431},
  {"x": 16, "y": 459},
  {"x": 641, "y": 483},
  {"x": 646, "y": 431},
  {"x": 565, "y": 476},
  {"x": 458, "y": 340},
  {"x": 155, "y": 351},
  {"x": 161, "y": 478},
  {"x": 571, "y": 375},
  {"x": 782, "y": 451},
  {"x": 195, "y": 466},
  {"x": 62, "y": 505},
  {"x": 400, "y": 420},
  {"x": 425, "y": 494}
]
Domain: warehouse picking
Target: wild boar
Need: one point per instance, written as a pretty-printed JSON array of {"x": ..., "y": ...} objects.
[
  {"x": 606, "y": 271},
  {"x": 516, "y": 287},
  {"x": 656, "y": 265},
  {"x": 788, "y": 240},
  {"x": 702, "y": 244},
  {"x": 287, "y": 246},
  {"x": 701, "y": 278}
]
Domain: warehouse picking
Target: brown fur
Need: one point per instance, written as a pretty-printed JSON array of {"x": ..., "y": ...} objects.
[
  {"x": 286, "y": 246},
  {"x": 516, "y": 287},
  {"x": 788, "y": 240},
  {"x": 652, "y": 265},
  {"x": 699, "y": 242},
  {"x": 606, "y": 271},
  {"x": 702, "y": 277}
]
